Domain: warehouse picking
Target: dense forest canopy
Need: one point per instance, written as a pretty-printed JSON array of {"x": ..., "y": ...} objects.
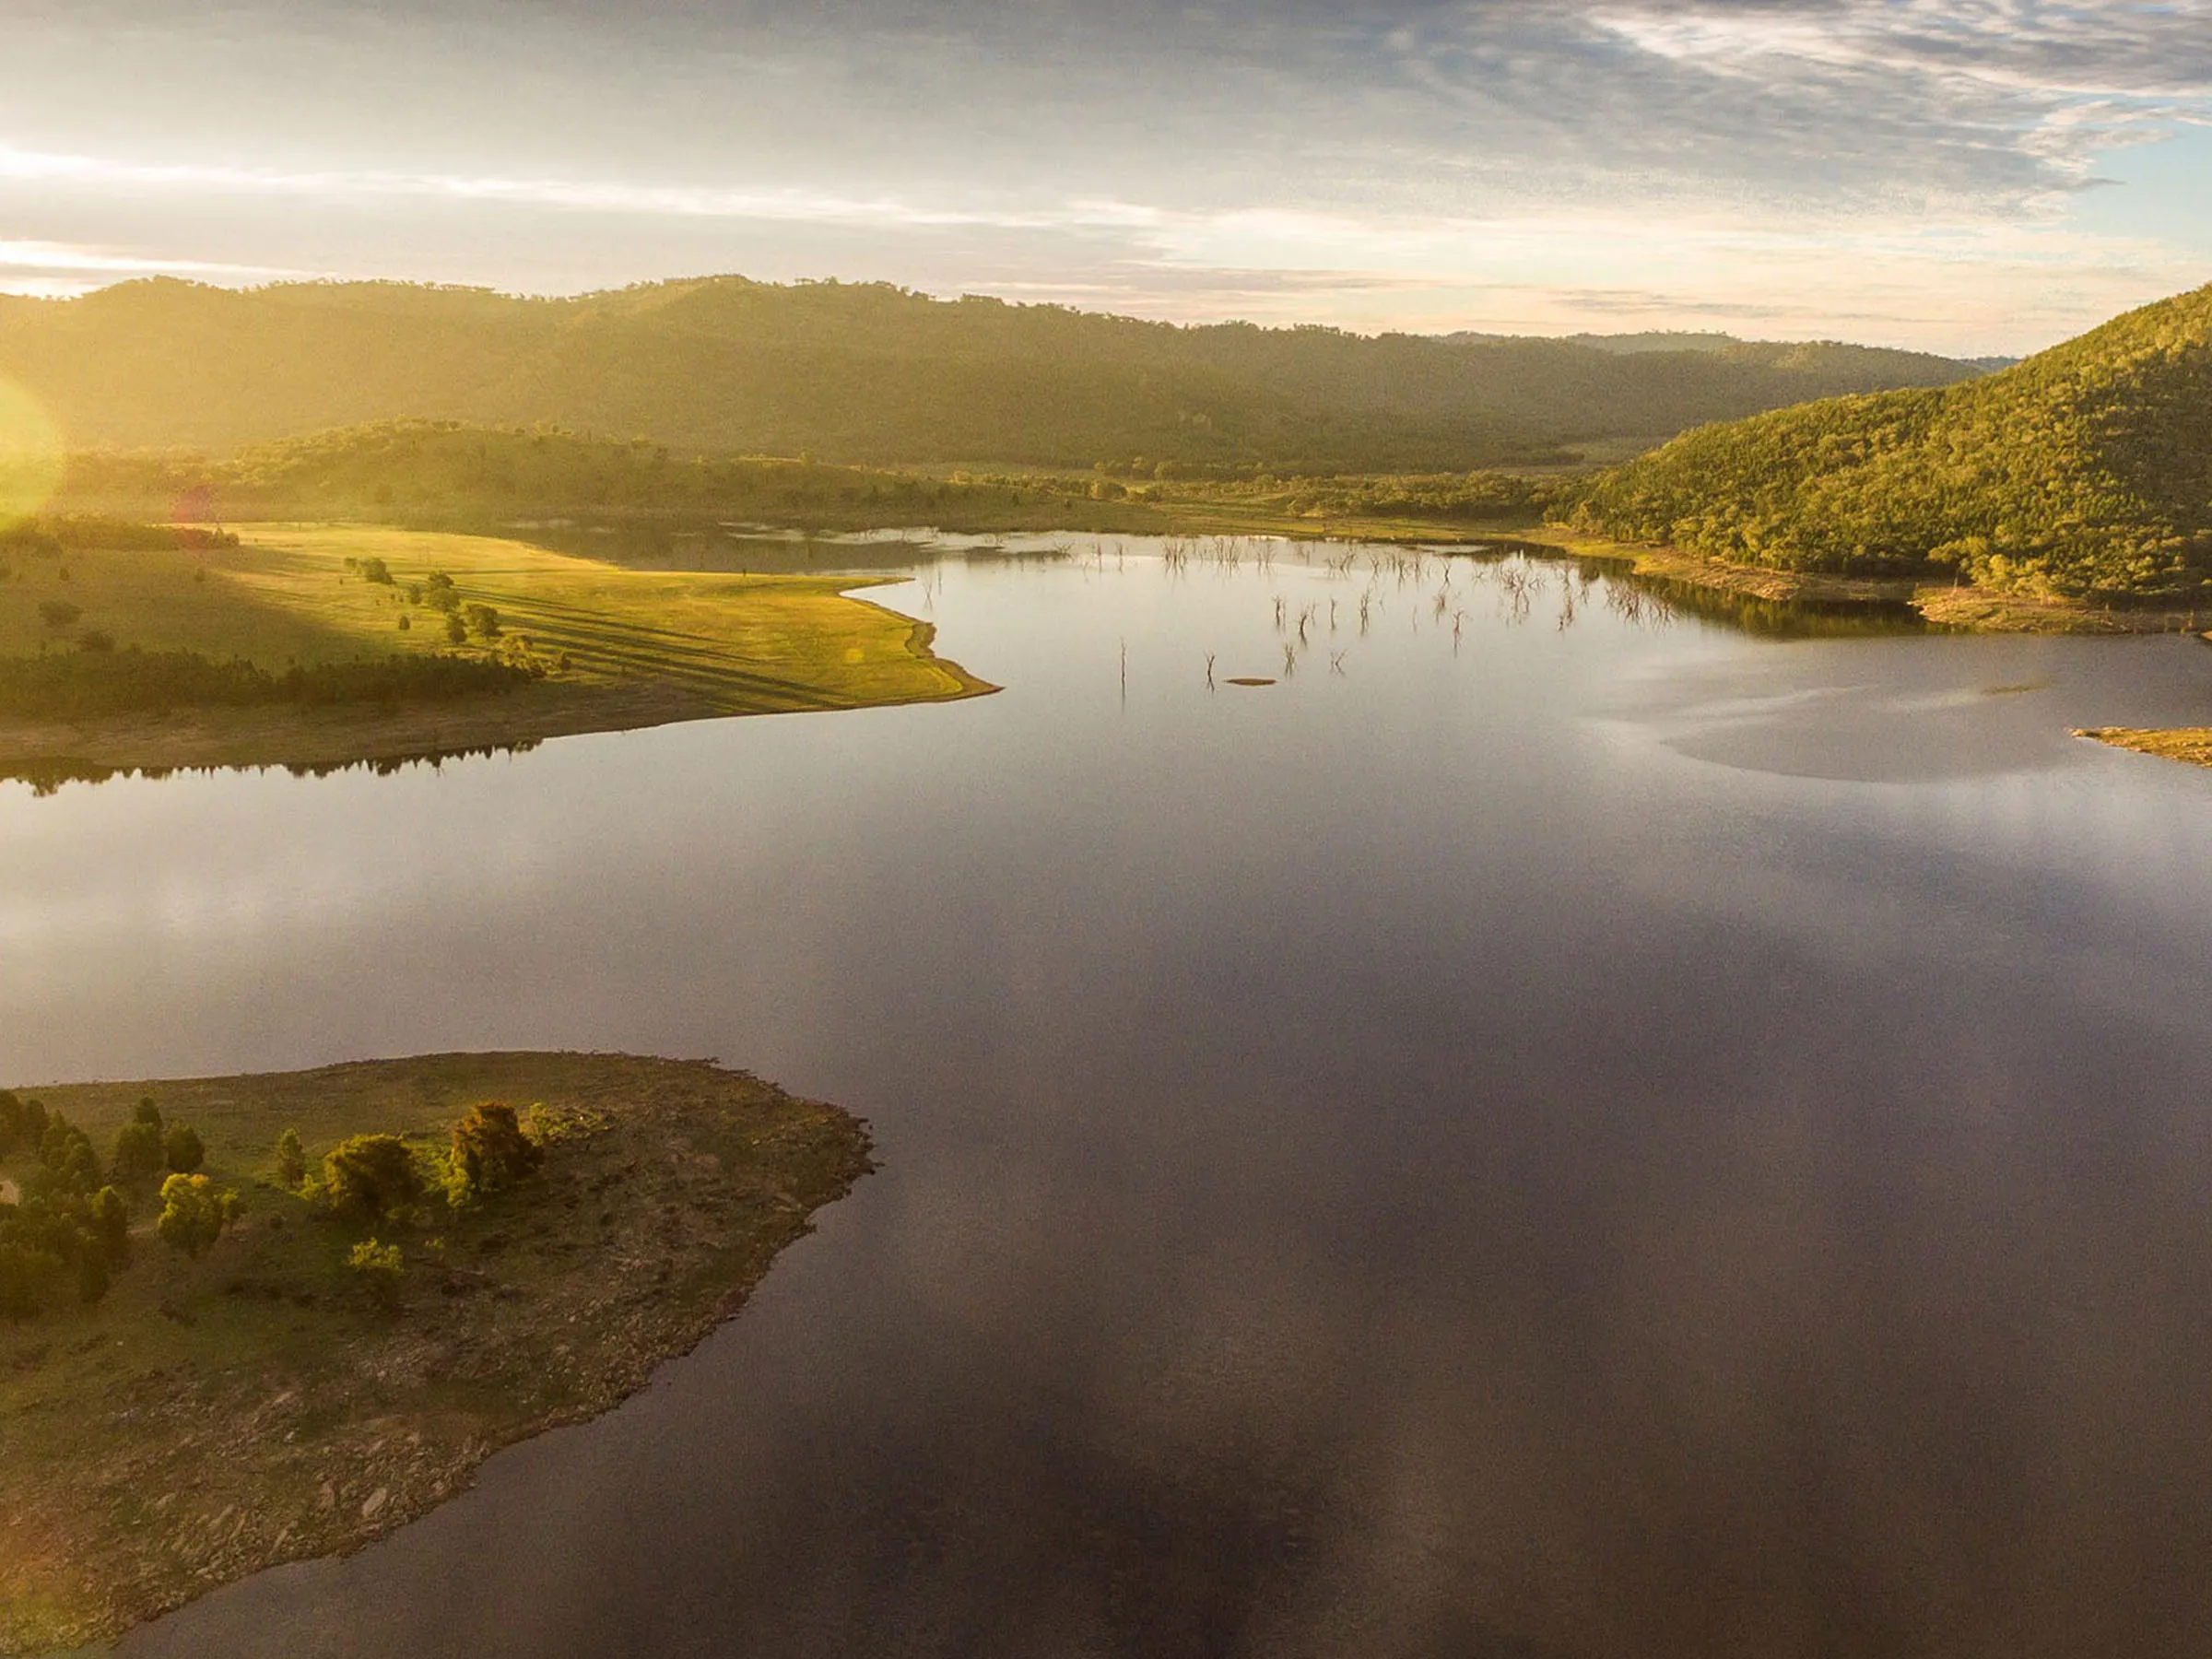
[
  {"x": 872, "y": 373},
  {"x": 2083, "y": 472}
]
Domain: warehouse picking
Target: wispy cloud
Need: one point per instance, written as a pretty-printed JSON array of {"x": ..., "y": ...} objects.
[{"x": 1843, "y": 157}]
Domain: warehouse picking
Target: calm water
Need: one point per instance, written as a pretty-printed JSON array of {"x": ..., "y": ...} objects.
[{"x": 1607, "y": 1139}]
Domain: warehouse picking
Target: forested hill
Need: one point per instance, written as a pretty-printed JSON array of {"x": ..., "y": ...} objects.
[
  {"x": 873, "y": 374},
  {"x": 2084, "y": 471}
]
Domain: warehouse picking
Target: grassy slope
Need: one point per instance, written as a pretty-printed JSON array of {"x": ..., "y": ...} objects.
[
  {"x": 641, "y": 648},
  {"x": 206, "y": 1421},
  {"x": 2084, "y": 472}
]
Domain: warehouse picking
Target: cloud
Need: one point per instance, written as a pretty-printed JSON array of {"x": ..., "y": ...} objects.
[{"x": 1165, "y": 157}]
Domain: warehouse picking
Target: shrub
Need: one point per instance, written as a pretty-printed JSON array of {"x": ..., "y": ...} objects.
[
  {"x": 26, "y": 1273},
  {"x": 371, "y": 1178},
  {"x": 59, "y": 613},
  {"x": 490, "y": 1152},
  {"x": 93, "y": 638},
  {"x": 380, "y": 1267}
]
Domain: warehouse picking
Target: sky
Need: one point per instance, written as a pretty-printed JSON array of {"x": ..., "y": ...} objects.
[{"x": 1966, "y": 176}]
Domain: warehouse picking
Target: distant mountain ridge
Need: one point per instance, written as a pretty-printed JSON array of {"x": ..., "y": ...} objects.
[
  {"x": 872, "y": 373},
  {"x": 2083, "y": 472}
]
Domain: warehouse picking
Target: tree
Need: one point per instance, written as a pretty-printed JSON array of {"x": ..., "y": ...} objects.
[
  {"x": 66, "y": 1151},
  {"x": 111, "y": 1216},
  {"x": 195, "y": 1213},
  {"x": 372, "y": 1178},
  {"x": 182, "y": 1149},
  {"x": 139, "y": 1152},
  {"x": 490, "y": 1152},
  {"x": 25, "y": 1120},
  {"x": 291, "y": 1159}
]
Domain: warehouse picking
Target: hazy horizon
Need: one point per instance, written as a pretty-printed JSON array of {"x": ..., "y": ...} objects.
[{"x": 1971, "y": 176}]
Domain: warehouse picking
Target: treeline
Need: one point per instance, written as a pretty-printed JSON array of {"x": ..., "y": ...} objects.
[
  {"x": 1483, "y": 496},
  {"x": 869, "y": 373},
  {"x": 448, "y": 473},
  {"x": 2085, "y": 472},
  {"x": 53, "y": 535},
  {"x": 88, "y": 683}
]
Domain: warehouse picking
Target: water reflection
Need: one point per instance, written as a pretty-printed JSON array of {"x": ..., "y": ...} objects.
[
  {"x": 1424, "y": 1158},
  {"x": 47, "y": 776}
]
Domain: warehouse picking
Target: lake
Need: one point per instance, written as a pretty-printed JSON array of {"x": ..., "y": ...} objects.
[{"x": 1556, "y": 1129}]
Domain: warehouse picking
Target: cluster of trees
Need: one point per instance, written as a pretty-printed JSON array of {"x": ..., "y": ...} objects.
[
  {"x": 106, "y": 681},
  {"x": 873, "y": 374},
  {"x": 69, "y": 1226},
  {"x": 373, "y": 1179},
  {"x": 377, "y": 1183},
  {"x": 57, "y": 533},
  {"x": 2084, "y": 472}
]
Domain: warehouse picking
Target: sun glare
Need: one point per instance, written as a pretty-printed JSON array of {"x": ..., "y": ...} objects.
[{"x": 31, "y": 455}]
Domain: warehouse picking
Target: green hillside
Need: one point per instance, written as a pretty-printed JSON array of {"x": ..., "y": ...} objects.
[
  {"x": 871, "y": 374},
  {"x": 422, "y": 471},
  {"x": 2085, "y": 472}
]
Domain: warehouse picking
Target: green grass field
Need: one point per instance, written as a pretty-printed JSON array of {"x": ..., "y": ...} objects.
[
  {"x": 210, "y": 1418},
  {"x": 619, "y": 647}
]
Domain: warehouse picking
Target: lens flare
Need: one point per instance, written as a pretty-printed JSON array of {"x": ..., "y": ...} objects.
[{"x": 31, "y": 455}]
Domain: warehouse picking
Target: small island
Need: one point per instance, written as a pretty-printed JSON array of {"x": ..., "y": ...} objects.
[{"x": 251, "y": 1320}]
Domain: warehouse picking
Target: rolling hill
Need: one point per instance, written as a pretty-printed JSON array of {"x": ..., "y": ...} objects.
[
  {"x": 871, "y": 374},
  {"x": 2083, "y": 472}
]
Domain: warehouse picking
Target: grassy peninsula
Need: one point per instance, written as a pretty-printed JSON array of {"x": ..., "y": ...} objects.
[
  {"x": 123, "y": 649},
  {"x": 337, "y": 1356}
]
